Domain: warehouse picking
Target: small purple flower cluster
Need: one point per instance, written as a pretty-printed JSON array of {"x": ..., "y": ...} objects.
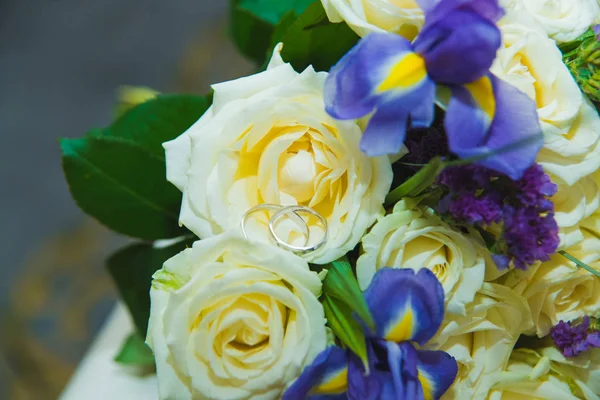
[
  {"x": 573, "y": 338},
  {"x": 469, "y": 207},
  {"x": 478, "y": 195}
]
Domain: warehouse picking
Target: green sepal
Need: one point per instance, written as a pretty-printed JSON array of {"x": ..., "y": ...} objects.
[
  {"x": 132, "y": 268},
  {"x": 312, "y": 40},
  {"x": 134, "y": 352},
  {"x": 344, "y": 305},
  {"x": 341, "y": 284},
  {"x": 417, "y": 183},
  {"x": 344, "y": 326}
]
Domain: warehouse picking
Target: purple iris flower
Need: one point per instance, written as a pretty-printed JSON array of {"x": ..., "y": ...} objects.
[
  {"x": 407, "y": 307},
  {"x": 396, "y": 80}
]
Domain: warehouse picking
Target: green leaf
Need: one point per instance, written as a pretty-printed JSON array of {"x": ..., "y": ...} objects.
[
  {"x": 278, "y": 33},
  {"x": 341, "y": 321},
  {"x": 250, "y": 34},
  {"x": 123, "y": 185},
  {"x": 313, "y": 40},
  {"x": 341, "y": 284},
  {"x": 417, "y": 183},
  {"x": 281, "y": 29},
  {"x": 153, "y": 122},
  {"x": 132, "y": 268},
  {"x": 118, "y": 175},
  {"x": 135, "y": 352},
  {"x": 272, "y": 11}
]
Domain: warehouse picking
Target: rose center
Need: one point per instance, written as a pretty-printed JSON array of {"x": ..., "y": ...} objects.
[
  {"x": 519, "y": 73},
  {"x": 297, "y": 173},
  {"x": 249, "y": 337},
  {"x": 427, "y": 252},
  {"x": 440, "y": 270}
]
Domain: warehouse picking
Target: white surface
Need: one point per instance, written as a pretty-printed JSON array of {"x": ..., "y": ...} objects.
[{"x": 98, "y": 377}]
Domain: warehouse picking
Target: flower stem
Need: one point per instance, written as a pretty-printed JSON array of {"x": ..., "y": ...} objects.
[
  {"x": 579, "y": 263},
  {"x": 506, "y": 149}
]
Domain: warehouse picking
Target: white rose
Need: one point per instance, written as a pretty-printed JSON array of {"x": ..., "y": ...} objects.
[
  {"x": 268, "y": 139},
  {"x": 231, "y": 319},
  {"x": 557, "y": 289},
  {"x": 403, "y": 17},
  {"x": 417, "y": 238},
  {"x": 563, "y": 20},
  {"x": 573, "y": 204},
  {"x": 584, "y": 369},
  {"x": 545, "y": 374},
  {"x": 576, "y": 154},
  {"x": 482, "y": 341},
  {"x": 592, "y": 223},
  {"x": 531, "y": 62}
]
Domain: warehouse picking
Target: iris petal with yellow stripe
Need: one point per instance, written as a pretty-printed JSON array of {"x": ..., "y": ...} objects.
[
  {"x": 335, "y": 382},
  {"x": 404, "y": 75},
  {"x": 384, "y": 76},
  {"x": 406, "y": 305},
  {"x": 394, "y": 80},
  {"x": 436, "y": 371},
  {"x": 325, "y": 379},
  {"x": 489, "y": 116},
  {"x": 402, "y": 329},
  {"x": 482, "y": 94}
]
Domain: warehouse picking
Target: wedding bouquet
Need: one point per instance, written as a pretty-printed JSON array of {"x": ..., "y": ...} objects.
[{"x": 402, "y": 203}]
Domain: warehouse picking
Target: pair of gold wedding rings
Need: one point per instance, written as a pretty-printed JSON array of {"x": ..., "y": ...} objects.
[{"x": 294, "y": 214}]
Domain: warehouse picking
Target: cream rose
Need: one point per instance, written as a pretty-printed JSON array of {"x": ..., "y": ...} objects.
[
  {"x": 583, "y": 369},
  {"x": 482, "y": 341},
  {"x": 563, "y": 20},
  {"x": 573, "y": 204},
  {"x": 546, "y": 374},
  {"x": 416, "y": 238},
  {"x": 530, "y": 61},
  {"x": 592, "y": 223},
  {"x": 268, "y": 139},
  {"x": 231, "y": 319},
  {"x": 558, "y": 290},
  {"x": 403, "y": 17}
]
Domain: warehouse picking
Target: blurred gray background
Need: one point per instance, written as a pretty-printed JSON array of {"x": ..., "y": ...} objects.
[{"x": 61, "y": 62}]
